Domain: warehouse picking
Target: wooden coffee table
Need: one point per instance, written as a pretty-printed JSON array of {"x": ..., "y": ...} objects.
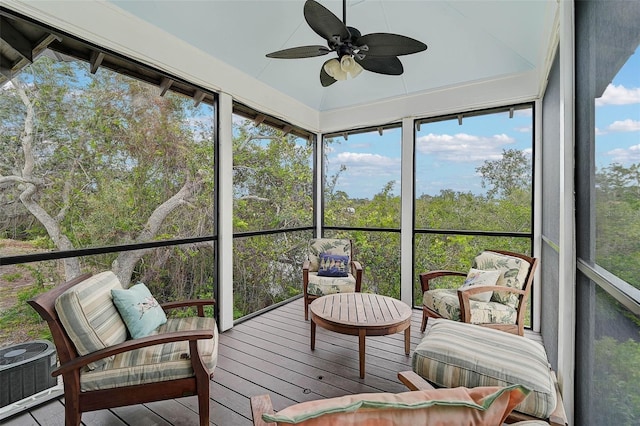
[{"x": 361, "y": 314}]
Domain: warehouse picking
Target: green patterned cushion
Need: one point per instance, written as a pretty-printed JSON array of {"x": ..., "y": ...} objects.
[
  {"x": 514, "y": 273},
  {"x": 321, "y": 286},
  {"x": 446, "y": 303},
  {"x": 327, "y": 245},
  {"x": 89, "y": 316},
  {"x": 156, "y": 363},
  {"x": 458, "y": 354}
]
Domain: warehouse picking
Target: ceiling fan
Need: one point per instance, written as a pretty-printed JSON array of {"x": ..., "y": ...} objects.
[{"x": 375, "y": 52}]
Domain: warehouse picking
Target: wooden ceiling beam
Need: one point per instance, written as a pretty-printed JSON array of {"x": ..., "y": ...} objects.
[
  {"x": 95, "y": 61},
  {"x": 198, "y": 97},
  {"x": 15, "y": 39},
  {"x": 165, "y": 84}
]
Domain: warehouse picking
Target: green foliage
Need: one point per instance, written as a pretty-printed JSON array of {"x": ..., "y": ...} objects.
[
  {"x": 22, "y": 316},
  {"x": 11, "y": 277},
  {"x": 511, "y": 173},
  {"x": 618, "y": 221},
  {"x": 615, "y": 382}
]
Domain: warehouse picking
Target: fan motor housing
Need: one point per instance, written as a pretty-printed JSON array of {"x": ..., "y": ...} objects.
[{"x": 25, "y": 369}]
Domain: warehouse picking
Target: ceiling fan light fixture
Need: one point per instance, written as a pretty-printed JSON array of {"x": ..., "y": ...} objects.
[
  {"x": 374, "y": 52},
  {"x": 349, "y": 65},
  {"x": 334, "y": 69}
]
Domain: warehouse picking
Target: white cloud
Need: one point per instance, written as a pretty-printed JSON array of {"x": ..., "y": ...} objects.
[
  {"x": 463, "y": 147},
  {"x": 625, "y": 155},
  {"x": 524, "y": 129},
  {"x": 368, "y": 164},
  {"x": 619, "y": 95},
  {"x": 627, "y": 125}
]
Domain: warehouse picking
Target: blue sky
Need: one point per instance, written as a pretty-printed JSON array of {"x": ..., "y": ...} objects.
[
  {"x": 447, "y": 154},
  {"x": 618, "y": 117}
]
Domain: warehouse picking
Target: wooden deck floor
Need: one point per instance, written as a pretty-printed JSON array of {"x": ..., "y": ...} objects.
[{"x": 267, "y": 354}]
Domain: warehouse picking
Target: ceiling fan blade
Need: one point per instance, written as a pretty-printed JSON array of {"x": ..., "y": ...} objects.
[
  {"x": 299, "y": 52},
  {"x": 386, "y": 44},
  {"x": 326, "y": 79},
  {"x": 389, "y": 65},
  {"x": 323, "y": 22}
]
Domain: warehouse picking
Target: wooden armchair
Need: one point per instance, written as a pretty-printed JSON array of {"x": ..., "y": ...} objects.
[
  {"x": 321, "y": 277},
  {"x": 114, "y": 375},
  {"x": 504, "y": 301}
]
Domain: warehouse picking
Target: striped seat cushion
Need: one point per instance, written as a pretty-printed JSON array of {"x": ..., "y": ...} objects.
[
  {"x": 156, "y": 363},
  {"x": 89, "y": 316},
  {"x": 458, "y": 354}
]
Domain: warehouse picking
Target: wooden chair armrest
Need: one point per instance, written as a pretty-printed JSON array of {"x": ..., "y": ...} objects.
[
  {"x": 355, "y": 265},
  {"x": 413, "y": 381},
  {"x": 468, "y": 291},
  {"x": 259, "y": 405},
  {"x": 199, "y": 303},
  {"x": 425, "y": 277},
  {"x": 356, "y": 271},
  {"x": 130, "y": 345},
  {"x": 464, "y": 293}
]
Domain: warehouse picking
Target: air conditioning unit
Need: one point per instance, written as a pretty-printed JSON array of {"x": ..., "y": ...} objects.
[{"x": 25, "y": 369}]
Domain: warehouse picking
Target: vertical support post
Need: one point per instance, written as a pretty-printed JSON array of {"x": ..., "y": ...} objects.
[
  {"x": 567, "y": 254},
  {"x": 406, "y": 218},
  {"x": 225, "y": 212}
]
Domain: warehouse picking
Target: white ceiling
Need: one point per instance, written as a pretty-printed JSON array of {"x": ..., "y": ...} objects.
[
  {"x": 481, "y": 53},
  {"x": 468, "y": 42}
]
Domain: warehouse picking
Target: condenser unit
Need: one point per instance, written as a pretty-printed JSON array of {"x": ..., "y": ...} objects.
[{"x": 25, "y": 369}]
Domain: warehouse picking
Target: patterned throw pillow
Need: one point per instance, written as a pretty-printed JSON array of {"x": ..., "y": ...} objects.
[
  {"x": 479, "y": 277},
  {"x": 333, "y": 265},
  {"x": 139, "y": 310}
]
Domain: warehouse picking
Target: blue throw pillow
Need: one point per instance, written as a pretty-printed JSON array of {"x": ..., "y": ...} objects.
[
  {"x": 333, "y": 265},
  {"x": 139, "y": 310}
]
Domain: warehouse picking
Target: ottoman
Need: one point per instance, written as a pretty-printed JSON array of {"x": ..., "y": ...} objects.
[{"x": 453, "y": 354}]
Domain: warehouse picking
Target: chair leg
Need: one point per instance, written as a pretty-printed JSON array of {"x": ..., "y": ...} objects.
[
  {"x": 72, "y": 413},
  {"x": 424, "y": 321},
  {"x": 306, "y": 307},
  {"x": 202, "y": 385}
]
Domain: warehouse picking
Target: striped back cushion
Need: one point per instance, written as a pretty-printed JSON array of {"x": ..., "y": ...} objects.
[
  {"x": 327, "y": 245},
  {"x": 458, "y": 354},
  {"x": 89, "y": 316}
]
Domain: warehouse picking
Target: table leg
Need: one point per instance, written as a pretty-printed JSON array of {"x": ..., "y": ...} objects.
[
  {"x": 407, "y": 340},
  {"x": 361, "y": 346},
  {"x": 313, "y": 334}
]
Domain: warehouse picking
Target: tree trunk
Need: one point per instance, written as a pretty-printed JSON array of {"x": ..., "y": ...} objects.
[{"x": 125, "y": 263}]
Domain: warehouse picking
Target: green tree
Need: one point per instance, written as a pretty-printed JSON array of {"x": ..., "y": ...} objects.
[
  {"x": 100, "y": 159},
  {"x": 509, "y": 174}
]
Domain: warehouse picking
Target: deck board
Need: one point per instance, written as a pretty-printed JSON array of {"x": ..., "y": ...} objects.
[{"x": 268, "y": 354}]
